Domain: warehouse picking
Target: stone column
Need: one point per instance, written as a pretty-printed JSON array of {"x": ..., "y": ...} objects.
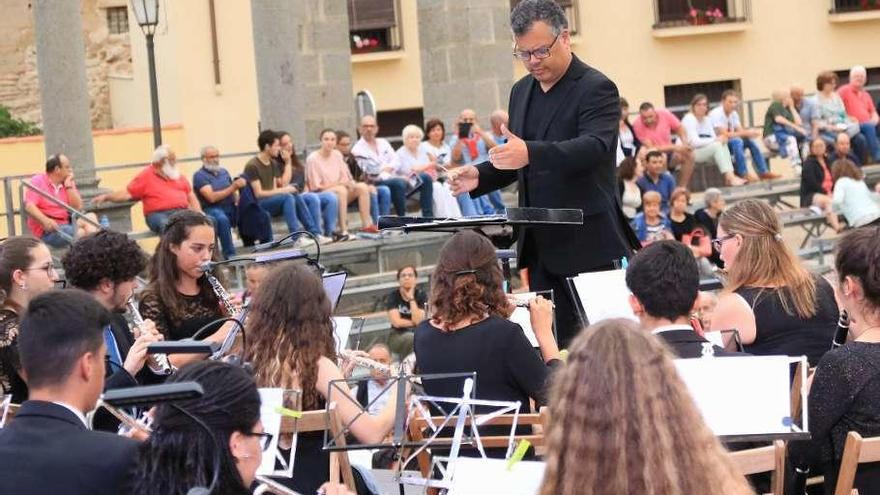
[
  {"x": 466, "y": 57},
  {"x": 303, "y": 66},
  {"x": 64, "y": 93}
]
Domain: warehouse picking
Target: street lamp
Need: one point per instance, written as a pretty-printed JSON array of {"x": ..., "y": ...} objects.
[{"x": 147, "y": 14}]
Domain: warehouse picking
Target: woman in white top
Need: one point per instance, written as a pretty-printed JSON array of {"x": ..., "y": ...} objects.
[
  {"x": 852, "y": 197},
  {"x": 413, "y": 160},
  {"x": 629, "y": 171},
  {"x": 707, "y": 146},
  {"x": 829, "y": 116}
]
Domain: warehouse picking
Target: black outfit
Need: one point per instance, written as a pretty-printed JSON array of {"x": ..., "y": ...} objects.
[
  {"x": 11, "y": 381},
  {"x": 47, "y": 449},
  {"x": 711, "y": 226},
  {"x": 686, "y": 226},
  {"x": 780, "y": 333},
  {"x": 395, "y": 301},
  {"x": 812, "y": 176},
  {"x": 685, "y": 343},
  {"x": 833, "y": 157},
  {"x": 571, "y": 134},
  {"x": 197, "y": 311},
  {"x": 844, "y": 397},
  {"x": 634, "y": 151}
]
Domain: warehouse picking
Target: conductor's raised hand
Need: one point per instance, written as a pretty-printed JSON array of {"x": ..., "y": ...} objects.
[
  {"x": 464, "y": 179},
  {"x": 513, "y": 155}
]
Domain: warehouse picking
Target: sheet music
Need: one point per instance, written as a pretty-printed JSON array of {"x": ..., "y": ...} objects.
[
  {"x": 476, "y": 476},
  {"x": 522, "y": 317},
  {"x": 716, "y": 338},
  {"x": 342, "y": 326},
  {"x": 271, "y": 400},
  {"x": 604, "y": 295}
]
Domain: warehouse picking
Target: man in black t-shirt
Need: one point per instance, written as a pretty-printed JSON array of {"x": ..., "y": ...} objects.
[{"x": 406, "y": 309}]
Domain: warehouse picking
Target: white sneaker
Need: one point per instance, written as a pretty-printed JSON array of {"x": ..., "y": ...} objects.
[
  {"x": 322, "y": 239},
  {"x": 304, "y": 242}
]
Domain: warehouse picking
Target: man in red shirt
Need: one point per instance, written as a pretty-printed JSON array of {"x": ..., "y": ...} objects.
[
  {"x": 859, "y": 105},
  {"x": 48, "y": 220},
  {"x": 654, "y": 127},
  {"x": 161, "y": 188}
]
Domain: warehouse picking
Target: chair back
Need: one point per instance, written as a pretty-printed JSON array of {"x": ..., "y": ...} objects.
[
  {"x": 856, "y": 450},
  {"x": 313, "y": 421},
  {"x": 762, "y": 460}
]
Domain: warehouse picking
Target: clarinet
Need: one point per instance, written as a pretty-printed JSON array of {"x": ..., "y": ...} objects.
[
  {"x": 159, "y": 363},
  {"x": 842, "y": 330},
  {"x": 219, "y": 291}
]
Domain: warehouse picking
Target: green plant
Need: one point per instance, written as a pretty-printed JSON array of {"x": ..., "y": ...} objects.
[{"x": 12, "y": 127}]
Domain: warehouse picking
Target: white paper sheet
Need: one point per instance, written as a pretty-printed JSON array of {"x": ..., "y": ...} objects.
[
  {"x": 522, "y": 317},
  {"x": 271, "y": 399},
  {"x": 604, "y": 295},
  {"x": 715, "y": 337},
  {"x": 740, "y": 395},
  {"x": 476, "y": 476},
  {"x": 342, "y": 328}
]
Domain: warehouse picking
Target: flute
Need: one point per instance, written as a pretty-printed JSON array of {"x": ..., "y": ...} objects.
[
  {"x": 366, "y": 362},
  {"x": 842, "y": 330},
  {"x": 158, "y": 363}
]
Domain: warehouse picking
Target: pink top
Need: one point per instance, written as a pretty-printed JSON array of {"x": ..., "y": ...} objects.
[
  {"x": 50, "y": 209},
  {"x": 322, "y": 173},
  {"x": 661, "y": 133},
  {"x": 857, "y": 102}
]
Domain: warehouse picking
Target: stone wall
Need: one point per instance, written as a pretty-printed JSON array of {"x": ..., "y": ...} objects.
[{"x": 105, "y": 54}]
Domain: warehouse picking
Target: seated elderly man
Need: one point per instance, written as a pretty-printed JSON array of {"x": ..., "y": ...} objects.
[
  {"x": 48, "y": 220},
  {"x": 860, "y": 107},
  {"x": 161, "y": 187},
  {"x": 843, "y": 149}
]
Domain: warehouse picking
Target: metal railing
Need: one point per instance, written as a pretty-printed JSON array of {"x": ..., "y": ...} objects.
[
  {"x": 846, "y": 6},
  {"x": 678, "y": 13}
]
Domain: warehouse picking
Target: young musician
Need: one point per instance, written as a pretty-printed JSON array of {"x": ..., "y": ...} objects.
[
  {"x": 291, "y": 345},
  {"x": 48, "y": 448},
  {"x": 26, "y": 271}
]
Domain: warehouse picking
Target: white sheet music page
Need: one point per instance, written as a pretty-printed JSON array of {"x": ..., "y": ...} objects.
[
  {"x": 523, "y": 318},
  {"x": 476, "y": 476},
  {"x": 271, "y": 399},
  {"x": 604, "y": 295},
  {"x": 341, "y": 330}
]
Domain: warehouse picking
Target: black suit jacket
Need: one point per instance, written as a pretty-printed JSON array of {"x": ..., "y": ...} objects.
[
  {"x": 46, "y": 449},
  {"x": 686, "y": 343},
  {"x": 571, "y": 165}
]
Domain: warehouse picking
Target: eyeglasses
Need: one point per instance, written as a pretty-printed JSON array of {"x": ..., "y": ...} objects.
[
  {"x": 265, "y": 439},
  {"x": 539, "y": 53},
  {"x": 717, "y": 243},
  {"x": 49, "y": 268}
]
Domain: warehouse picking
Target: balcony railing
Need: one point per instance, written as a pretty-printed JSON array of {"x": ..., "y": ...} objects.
[
  {"x": 847, "y": 6},
  {"x": 679, "y": 13}
]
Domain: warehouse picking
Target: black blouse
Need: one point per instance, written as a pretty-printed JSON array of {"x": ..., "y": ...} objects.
[
  {"x": 686, "y": 226},
  {"x": 11, "y": 381},
  {"x": 197, "y": 311}
]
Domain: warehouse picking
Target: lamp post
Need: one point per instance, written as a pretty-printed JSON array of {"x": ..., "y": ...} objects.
[{"x": 146, "y": 13}]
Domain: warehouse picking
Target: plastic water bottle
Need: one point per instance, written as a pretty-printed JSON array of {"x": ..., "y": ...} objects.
[{"x": 105, "y": 222}]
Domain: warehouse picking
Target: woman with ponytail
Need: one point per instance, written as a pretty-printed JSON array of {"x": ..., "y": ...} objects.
[
  {"x": 468, "y": 330},
  {"x": 26, "y": 271}
]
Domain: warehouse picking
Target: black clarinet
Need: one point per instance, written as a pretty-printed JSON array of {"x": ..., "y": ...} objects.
[{"x": 842, "y": 330}]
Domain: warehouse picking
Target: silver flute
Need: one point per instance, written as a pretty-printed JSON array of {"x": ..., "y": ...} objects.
[
  {"x": 365, "y": 362},
  {"x": 158, "y": 363}
]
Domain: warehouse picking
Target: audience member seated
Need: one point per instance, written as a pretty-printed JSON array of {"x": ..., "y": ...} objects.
[
  {"x": 380, "y": 200},
  {"x": 860, "y": 107},
  {"x": 48, "y": 447},
  {"x": 842, "y": 149},
  {"x": 406, "y": 310},
  {"x": 291, "y": 343},
  {"x": 805, "y": 107},
  {"x": 217, "y": 194},
  {"x": 160, "y": 187},
  {"x": 830, "y": 118},
  {"x": 725, "y": 120},
  {"x": 629, "y": 172},
  {"x": 629, "y": 143},
  {"x": 654, "y": 129},
  {"x": 326, "y": 171},
  {"x": 783, "y": 129},
  {"x": 687, "y": 230},
  {"x": 852, "y": 197},
  {"x": 49, "y": 221},
  {"x": 370, "y": 391},
  {"x": 817, "y": 184},
  {"x": 777, "y": 306},
  {"x": 375, "y": 157},
  {"x": 26, "y": 271},
  {"x": 707, "y": 146},
  {"x": 470, "y": 145},
  {"x": 657, "y": 179},
  {"x": 263, "y": 177},
  {"x": 312, "y": 208},
  {"x": 651, "y": 224},
  {"x": 190, "y": 436},
  {"x": 420, "y": 168},
  {"x": 845, "y": 391},
  {"x": 665, "y": 286},
  {"x": 708, "y": 215},
  {"x": 441, "y": 152},
  {"x": 708, "y": 301},
  {"x": 604, "y": 435}
]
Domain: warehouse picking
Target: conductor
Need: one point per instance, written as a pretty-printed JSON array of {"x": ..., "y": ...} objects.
[{"x": 560, "y": 147}]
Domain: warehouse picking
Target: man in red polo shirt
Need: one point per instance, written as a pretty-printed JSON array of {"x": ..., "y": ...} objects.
[
  {"x": 859, "y": 105},
  {"x": 48, "y": 220},
  {"x": 162, "y": 189}
]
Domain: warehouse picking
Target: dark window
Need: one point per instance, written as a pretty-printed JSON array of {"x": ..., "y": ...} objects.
[
  {"x": 571, "y": 12},
  {"x": 117, "y": 20},
  {"x": 678, "y": 96},
  {"x": 392, "y": 122},
  {"x": 670, "y": 13},
  {"x": 373, "y": 25},
  {"x": 853, "y": 5}
]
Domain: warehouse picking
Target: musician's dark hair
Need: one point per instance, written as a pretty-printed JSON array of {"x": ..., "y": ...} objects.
[
  {"x": 528, "y": 12},
  {"x": 456, "y": 296},
  {"x": 58, "y": 327},
  {"x": 16, "y": 253},
  {"x": 53, "y": 163},
  {"x": 289, "y": 331},
  {"x": 665, "y": 279},
  {"x": 266, "y": 138},
  {"x": 163, "y": 270},
  {"x": 858, "y": 256},
  {"x": 179, "y": 454},
  {"x": 106, "y": 254}
]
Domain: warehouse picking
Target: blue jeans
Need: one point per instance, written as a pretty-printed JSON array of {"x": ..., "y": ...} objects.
[
  {"x": 484, "y": 207},
  {"x": 426, "y": 195},
  {"x": 62, "y": 237},
  {"x": 282, "y": 205},
  {"x": 157, "y": 220},
  {"x": 380, "y": 203},
  {"x": 869, "y": 130},
  {"x": 782, "y": 132},
  {"x": 223, "y": 228},
  {"x": 467, "y": 205},
  {"x": 397, "y": 189},
  {"x": 312, "y": 207},
  {"x": 737, "y": 146},
  {"x": 494, "y": 198}
]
